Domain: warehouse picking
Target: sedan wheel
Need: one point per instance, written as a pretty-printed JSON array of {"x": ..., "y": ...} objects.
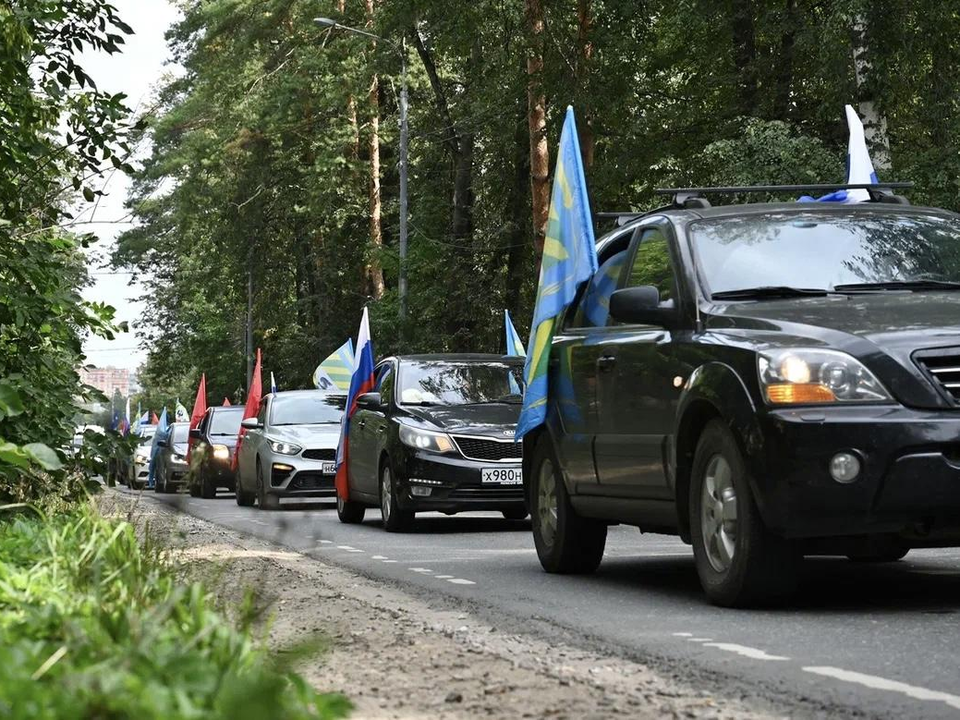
[
  {"x": 265, "y": 500},
  {"x": 394, "y": 519},
  {"x": 350, "y": 512}
]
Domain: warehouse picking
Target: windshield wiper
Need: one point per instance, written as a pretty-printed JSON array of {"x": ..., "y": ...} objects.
[
  {"x": 901, "y": 285},
  {"x": 769, "y": 291}
]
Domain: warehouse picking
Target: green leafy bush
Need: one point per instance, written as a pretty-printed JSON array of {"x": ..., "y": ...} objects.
[{"x": 95, "y": 625}]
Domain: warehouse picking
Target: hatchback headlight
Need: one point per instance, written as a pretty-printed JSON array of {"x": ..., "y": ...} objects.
[
  {"x": 221, "y": 452},
  {"x": 426, "y": 439},
  {"x": 284, "y": 448},
  {"x": 808, "y": 376}
]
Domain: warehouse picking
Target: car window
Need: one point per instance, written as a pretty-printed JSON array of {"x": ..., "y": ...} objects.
[
  {"x": 181, "y": 433},
  {"x": 385, "y": 382},
  {"x": 652, "y": 265},
  {"x": 262, "y": 413},
  {"x": 443, "y": 382},
  {"x": 226, "y": 422},
  {"x": 309, "y": 408},
  {"x": 594, "y": 307}
]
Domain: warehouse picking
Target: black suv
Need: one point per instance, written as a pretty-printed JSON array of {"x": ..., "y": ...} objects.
[
  {"x": 437, "y": 434},
  {"x": 767, "y": 381}
]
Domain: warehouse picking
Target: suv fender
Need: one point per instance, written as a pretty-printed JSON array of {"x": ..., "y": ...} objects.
[{"x": 714, "y": 390}]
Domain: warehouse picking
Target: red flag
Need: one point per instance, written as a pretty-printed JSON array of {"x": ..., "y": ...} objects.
[
  {"x": 226, "y": 402},
  {"x": 253, "y": 405},
  {"x": 154, "y": 420},
  {"x": 199, "y": 409}
]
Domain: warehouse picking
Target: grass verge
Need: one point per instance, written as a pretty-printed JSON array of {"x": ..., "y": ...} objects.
[{"x": 94, "y": 624}]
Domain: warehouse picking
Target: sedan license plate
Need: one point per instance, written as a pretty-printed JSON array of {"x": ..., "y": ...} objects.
[
  {"x": 501, "y": 476},
  {"x": 328, "y": 468}
]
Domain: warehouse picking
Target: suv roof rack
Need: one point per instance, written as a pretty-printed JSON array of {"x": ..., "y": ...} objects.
[{"x": 692, "y": 197}]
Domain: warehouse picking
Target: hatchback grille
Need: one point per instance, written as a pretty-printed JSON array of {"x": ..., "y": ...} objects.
[
  {"x": 480, "y": 448},
  {"x": 944, "y": 367},
  {"x": 320, "y": 454},
  {"x": 312, "y": 481}
]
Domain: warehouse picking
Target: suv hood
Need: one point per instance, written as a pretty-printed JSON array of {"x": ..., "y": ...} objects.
[
  {"x": 493, "y": 419},
  {"x": 307, "y": 436}
]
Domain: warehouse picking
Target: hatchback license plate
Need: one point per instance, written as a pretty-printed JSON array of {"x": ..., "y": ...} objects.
[
  {"x": 501, "y": 476},
  {"x": 328, "y": 468}
]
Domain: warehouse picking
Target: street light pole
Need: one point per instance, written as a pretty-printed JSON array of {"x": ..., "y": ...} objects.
[{"x": 400, "y": 49}]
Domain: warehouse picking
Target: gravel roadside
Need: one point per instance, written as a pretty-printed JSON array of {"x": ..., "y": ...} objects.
[{"x": 396, "y": 657}]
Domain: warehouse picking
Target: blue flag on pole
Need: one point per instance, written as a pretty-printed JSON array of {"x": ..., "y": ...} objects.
[
  {"x": 161, "y": 432},
  {"x": 514, "y": 343},
  {"x": 569, "y": 259}
]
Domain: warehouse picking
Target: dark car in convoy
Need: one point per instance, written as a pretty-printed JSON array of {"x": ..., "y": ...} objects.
[
  {"x": 290, "y": 448},
  {"x": 767, "y": 380},
  {"x": 437, "y": 434},
  {"x": 214, "y": 443},
  {"x": 171, "y": 469}
]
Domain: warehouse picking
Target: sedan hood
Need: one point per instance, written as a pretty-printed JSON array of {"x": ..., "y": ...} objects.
[
  {"x": 494, "y": 419},
  {"x": 307, "y": 436}
]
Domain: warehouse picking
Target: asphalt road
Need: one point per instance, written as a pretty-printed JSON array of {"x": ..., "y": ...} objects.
[{"x": 858, "y": 640}]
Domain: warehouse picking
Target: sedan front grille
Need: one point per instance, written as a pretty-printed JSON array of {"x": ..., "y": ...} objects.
[
  {"x": 944, "y": 367},
  {"x": 474, "y": 447},
  {"x": 312, "y": 481},
  {"x": 315, "y": 454}
]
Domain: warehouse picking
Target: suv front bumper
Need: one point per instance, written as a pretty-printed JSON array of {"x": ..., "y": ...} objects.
[{"x": 909, "y": 483}]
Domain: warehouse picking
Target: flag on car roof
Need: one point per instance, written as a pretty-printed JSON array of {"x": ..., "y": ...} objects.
[
  {"x": 859, "y": 166},
  {"x": 252, "y": 407},
  {"x": 141, "y": 419},
  {"x": 162, "y": 425},
  {"x": 125, "y": 420},
  {"x": 334, "y": 373},
  {"x": 514, "y": 343},
  {"x": 361, "y": 381},
  {"x": 154, "y": 419},
  {"x": 273, "y": 383},
  {"x": 226, "y": 402},
  {"x": 180, "y": 412},
  {"x": 569, "y": 259},
  {"x": 199, "y": 410}
]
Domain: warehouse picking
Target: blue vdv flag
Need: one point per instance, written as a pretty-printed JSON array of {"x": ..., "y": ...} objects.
[
  {"x": 569, "y": 259},
  {"x": 514, "y": 343},
  {"x": 162, "y": 428}
]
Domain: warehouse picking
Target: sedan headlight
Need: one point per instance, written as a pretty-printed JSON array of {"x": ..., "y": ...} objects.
[
  {"x": 143, "y": 456},
  {"x": 284, "y": 448},
  {"x": 807, "y": 376},
  {"x": 221, "y": 452},
  {"x": 426, "y": 439}
]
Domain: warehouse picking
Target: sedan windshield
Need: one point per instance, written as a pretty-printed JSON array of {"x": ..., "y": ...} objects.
[
  {"x": 181, "y": 433},
  {"x": 459, "y": 383},
  {"x": 306, "y": 409},
  {"x": 818, "y": 252}
]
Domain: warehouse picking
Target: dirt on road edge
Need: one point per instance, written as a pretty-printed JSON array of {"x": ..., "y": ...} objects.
[{"x": 396, "y": 657}]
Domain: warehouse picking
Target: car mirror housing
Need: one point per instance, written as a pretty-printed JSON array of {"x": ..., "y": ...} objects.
[
  {"x": 640, "y": 306},
  {"x": 369, "y": 401},
  {"x": 250, "y": 423},
  {"x": 195, "y": 434}
]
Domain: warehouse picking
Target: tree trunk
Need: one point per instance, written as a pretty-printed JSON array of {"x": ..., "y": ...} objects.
[
  {"x": 518, "y": 248},
  {"x": 537, "y": 124},
  {"x": 874, "y": 124},
  {"x": 585, "y": 54},
  {"x": 374, "y": 272},
  {"x": 745, "y": 56}
]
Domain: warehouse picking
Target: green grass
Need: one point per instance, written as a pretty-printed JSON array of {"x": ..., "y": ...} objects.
[{"x": 94, "y": 624}]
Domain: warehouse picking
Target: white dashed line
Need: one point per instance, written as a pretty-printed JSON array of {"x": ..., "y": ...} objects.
[
  {"x": 443, "y": 577},
  {"x": 879, "y": 683},
  {"x": 752, "y": 653},
  {"x": 378, "y": 557},
  {"x": 703, "y": 640},
  {"x": 348, "y": 548},
  {"x": 389, "y": 561},
  {"x": 683, "y": 634},
  {"x": 326, "y": 542},
  {"x": 420, "y": 570},
  {"x": 461, "y": 581}
]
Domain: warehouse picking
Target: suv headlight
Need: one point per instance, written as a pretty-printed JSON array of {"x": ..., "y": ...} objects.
[
  {"x": 284, "y": 448},
  {"x": 426, "y": 440},
  {"x": 221, "y": 452},
  {"x": 807, "y": 376}
]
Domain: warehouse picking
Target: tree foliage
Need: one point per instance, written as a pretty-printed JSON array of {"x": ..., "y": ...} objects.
[{"x": 260, "y": 161}]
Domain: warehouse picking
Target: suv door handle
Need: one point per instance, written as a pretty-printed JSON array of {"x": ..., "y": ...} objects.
[
  {"x": 605, "y": 363},
  {"x": 361, "y": 423},
  {"x": 381, "y": 429}
]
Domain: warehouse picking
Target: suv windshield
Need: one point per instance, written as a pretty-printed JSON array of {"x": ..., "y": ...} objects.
[
  {"x": 827, "y": 250},
  {"x": 226, "y": 422},
  {"x": 306, "y": 409},
  {"x": 459, "y": 383}
]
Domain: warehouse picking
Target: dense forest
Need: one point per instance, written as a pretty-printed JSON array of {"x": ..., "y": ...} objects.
[{"x": 273, "y": 175}]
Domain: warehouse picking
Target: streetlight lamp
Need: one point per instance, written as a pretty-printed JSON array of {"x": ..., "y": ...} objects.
[{"x": 400, "y": 50}]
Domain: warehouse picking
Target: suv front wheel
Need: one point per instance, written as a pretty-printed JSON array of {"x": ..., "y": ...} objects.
[
  {"x": 566, "y": 542},
  {"x": 740, "y": 563}
]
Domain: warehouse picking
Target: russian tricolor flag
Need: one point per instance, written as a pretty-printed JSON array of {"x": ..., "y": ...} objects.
[{"x": 362, "y": 381}]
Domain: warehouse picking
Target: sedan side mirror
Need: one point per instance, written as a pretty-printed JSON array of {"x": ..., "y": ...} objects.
[
  {"x": 161, "y": 443},
  {"x": 195, "y": 434},
  {"x": 640, "y": 306},
  {"x": 369, "y": 401},
  {"x": 251, "y": 424}
]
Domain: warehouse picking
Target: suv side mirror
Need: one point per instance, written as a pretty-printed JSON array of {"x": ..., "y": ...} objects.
[
  {"x": 369, "y": 401},
  {"x": 250, "y": 423},
  {"x": 161, "y": 443},
  {"x": 195, "y": 434},
  {"x": 640, "y": 306}
]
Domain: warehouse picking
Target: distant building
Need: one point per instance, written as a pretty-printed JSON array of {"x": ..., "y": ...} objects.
[{"x": 107, "y": 380}]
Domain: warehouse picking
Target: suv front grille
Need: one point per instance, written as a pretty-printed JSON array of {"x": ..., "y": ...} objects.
[
  {"x": 944, "y": 367},
  {"x": 481, "y": 448},
  {"x": 316, "y": 454}
]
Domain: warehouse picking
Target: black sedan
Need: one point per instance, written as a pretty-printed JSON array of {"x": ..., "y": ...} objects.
[
  {"x": 437, "y": 435},
  {"x": 214, "y": 444}
]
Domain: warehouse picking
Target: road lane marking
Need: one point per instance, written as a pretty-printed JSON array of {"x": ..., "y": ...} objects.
[
  {"x": 461, "y": 581},
  {"x": 348, "y": 548},
  {"x": 326, "y": 542},
  {"x": 420, "y": 570},
  {"x": 879, "y": 683},
  {"x": 683, "y": 634},
  {"x": 700, "y": 640},
  {"x": 389, "y": 561},
  {"x": 752, "y": 653},
  {"x": 443, "y": 577},
  {"x": 378, "y": 557}
]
